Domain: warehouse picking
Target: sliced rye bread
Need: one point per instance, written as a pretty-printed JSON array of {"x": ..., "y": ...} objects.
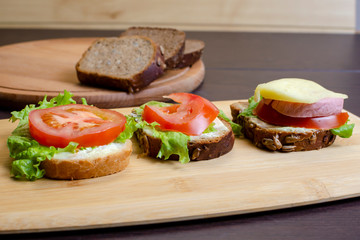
[
  {"x": 127, "y": 63},
  {"x": 283, "y": 139},
  {"x": 89, "y": 162},
  {"x": 171, "y": 42},
  {"x": 192, "y": 53},
  {"x": 201, "y": 148}
]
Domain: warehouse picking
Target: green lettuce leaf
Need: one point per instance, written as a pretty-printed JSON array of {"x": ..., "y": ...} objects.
[
  {"x": 173, "y": 143},
  {"x": 248, "y": 112},
  {"x": 26, "y": 168},
  {"x": 236, "y": 128},
  {"x": 345, "y": 131},
  {"x": 210, "y": 128},
  {"x": 28, "y": 155},
  {"x": 130, "y": 128}
]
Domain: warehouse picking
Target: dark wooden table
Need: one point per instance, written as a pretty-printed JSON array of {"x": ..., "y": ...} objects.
[{"x": 235, "y": 64}]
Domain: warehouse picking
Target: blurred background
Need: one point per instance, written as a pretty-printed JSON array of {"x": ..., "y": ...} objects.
[{"x": 320, "y": 16}]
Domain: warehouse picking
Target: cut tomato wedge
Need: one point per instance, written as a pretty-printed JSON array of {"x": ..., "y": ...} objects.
[
  {"x": 86, "y": 125},
  {"x": 270, "y": 115},
  {"x": 192, "y": 116}
]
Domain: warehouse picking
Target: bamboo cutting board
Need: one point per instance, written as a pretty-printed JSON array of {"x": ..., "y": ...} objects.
[
  {"x": 245, "y": 180},
  {"x": 31, "y": 70}
]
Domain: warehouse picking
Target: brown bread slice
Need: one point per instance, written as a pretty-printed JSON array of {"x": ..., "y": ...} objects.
[
  {"x": 89, "y": 163},
  {"x": 192, "y": 53},
  {"x": 171, "y": 41},
  {"x": 202, "y": 148},
  {"x": 283, "y": 139},
  {"x": 127, "y": 63}
]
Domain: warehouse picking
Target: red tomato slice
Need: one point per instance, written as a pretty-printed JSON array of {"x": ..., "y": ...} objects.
[
  {"x": 87, "y": 125},
  {"x": 270, "y": 115},
  {"x": 191, "y": 117}
]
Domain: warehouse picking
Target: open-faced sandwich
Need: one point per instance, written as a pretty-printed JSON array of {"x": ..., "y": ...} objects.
[
  {"x": 293, "y": 114},
  {"x": 190, "y": 129},
  {"x": 64, "y": 140}
]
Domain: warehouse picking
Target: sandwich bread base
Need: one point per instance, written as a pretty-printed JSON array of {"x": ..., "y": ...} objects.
[
  {"x": 282, "y": 139},
  {"x": 89, "y": 162},
  {"x": 203, "y": 147}
]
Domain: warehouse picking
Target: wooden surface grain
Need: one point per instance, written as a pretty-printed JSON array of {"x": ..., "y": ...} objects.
[
  {"x": 245, "y": 180},
  {"x": 235, "y": 64},
  {"x": 227, "y": 15}
]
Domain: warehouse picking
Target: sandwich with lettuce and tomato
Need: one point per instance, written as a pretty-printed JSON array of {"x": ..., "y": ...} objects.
[
  {"x": 293, "y": 114},
  {"x": 191, "y": 128},
  {"x": 64, "y": 140}
]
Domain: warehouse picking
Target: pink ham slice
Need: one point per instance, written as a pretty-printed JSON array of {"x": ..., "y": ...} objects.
[{"x": 322, "y": 108}]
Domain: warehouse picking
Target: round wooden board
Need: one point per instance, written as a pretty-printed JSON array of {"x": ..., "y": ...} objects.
[{"x": 31, "y": 70}]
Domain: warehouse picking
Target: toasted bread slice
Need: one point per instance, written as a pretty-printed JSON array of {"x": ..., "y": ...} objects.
[
  {"x": 89, "y": 162},
  {"x": 283, "y": 139},
  {"x": 171, "y": 41},
  {"x": 127, "y": 63},
  {"x": 204, "y": 147},
  {"x": 192, "y": 53}
]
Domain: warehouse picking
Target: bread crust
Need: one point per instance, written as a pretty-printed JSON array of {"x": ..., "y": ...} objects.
[
  {"x": 191, "y": 57},
  {"x": 275, "y": 138},
  {"x": 203, "y": 149},
  {"x": 83, "y": 168},
  {"x": 135, "y": 83}
]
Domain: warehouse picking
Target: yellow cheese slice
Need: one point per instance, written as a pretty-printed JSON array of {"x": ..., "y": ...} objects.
[{"x": 294, "y": 90}]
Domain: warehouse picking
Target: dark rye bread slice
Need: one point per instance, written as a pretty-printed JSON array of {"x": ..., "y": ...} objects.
[
  {"x": 127, "y": 63},
  {"x": 283, "y": 139},
  {"x": 192, "y": 53},
  {"x": 203, "y": 148},
  {"x": 171, "y": 42}
]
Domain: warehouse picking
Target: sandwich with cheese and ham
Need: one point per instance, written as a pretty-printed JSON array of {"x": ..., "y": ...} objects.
[{"x": 293, "y": 114}]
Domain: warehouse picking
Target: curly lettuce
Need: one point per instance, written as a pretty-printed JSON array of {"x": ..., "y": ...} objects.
[
  {"x": 345, "y": 131},
  {"x": 248, "y": 112}
]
